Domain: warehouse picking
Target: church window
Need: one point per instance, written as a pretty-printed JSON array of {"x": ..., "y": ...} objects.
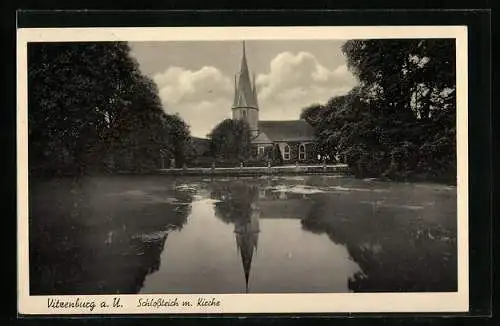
[
  {"x": 302, "y": 152},
  {"x": 260, "y": 150},
  {"x": 244, "y": 112},
  {"x": 286, "y": 152}
]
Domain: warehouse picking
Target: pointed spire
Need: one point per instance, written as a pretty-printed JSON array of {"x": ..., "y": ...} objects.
[
  {"x": 244, "y": 65},
  {"x": 245, "y": 95}
]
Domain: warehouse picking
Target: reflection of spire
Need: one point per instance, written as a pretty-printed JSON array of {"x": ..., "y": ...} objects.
[{"x": 247, "y": 235}]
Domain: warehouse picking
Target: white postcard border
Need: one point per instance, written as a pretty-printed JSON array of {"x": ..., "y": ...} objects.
[{"x": 248, "y": 303}]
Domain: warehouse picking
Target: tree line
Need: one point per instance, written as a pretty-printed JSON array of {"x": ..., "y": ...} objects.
[
  {"x": 399, "y": 122},
  {"x": 91, "y": 110}
]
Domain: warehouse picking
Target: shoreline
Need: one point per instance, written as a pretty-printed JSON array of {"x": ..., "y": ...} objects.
[
  {"x": 257, "y": 171},
  {"x": 291, "y": 170}
]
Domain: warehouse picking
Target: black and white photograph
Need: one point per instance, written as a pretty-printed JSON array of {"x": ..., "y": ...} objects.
[{"x": 195, "y": 172}]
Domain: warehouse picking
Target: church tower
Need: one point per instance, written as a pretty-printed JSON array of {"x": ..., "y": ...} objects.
[{"x": 245, "y": 105}]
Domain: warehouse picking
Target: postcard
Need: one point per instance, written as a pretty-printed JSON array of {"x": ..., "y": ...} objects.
[{"x": 240, "y": 170}]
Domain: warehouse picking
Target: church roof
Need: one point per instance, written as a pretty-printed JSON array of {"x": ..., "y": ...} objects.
[
  {"x": 292, "y": 130},
  {"x": 261, "y": 139},
  {"x": 200, "y": 145},
  {"x": 245, "y": 94}
]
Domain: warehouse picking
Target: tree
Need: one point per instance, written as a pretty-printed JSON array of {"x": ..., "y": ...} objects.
[
  {"x": 330, "y": 121},
  {"x": 230, "y": 140},
  {"x": 91, "y": 109},
  {"x": 277, "y": 158},
  {"x": 71, "y": 89},
  {"x": 177, "y": 139},
  {"x": 137, "y": 131},
  {"x": 400, "y": 120},
  {"x": 409, "y": 88},
  {"x": 312, "y": 114}
]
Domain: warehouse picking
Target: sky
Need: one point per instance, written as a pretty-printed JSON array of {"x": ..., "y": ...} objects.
[{"x": 196, "y": 78}]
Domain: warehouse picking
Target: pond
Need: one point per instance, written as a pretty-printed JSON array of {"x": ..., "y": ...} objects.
[{"x": 296, "y": 234}]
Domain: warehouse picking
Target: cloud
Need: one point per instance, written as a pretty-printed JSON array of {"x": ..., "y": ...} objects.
[
  {"x": 201, "y": 97},
  {"x": 297, "y": 80}
]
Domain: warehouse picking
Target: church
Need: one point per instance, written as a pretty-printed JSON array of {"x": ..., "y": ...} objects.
[{"x": 294, "y": 138}]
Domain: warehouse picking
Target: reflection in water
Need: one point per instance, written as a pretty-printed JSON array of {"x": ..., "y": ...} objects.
[
  {"x": 236, "y": 205},
  {"x": 303, "y": 234},
  {"x": 247, "y": 236},
  {"x": 396, "y": 248},
  {"x": 294, "y": 262},
  {"x": 101, "y": 235}
]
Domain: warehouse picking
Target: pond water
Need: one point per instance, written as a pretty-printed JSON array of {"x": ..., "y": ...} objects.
[{"x": 158, "y": 234}]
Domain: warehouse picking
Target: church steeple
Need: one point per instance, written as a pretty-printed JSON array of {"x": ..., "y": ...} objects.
[
  {"x": 244, "y": 65},
  {"x": 245, "y": 104},
  {"x": 245, "y": 95}
]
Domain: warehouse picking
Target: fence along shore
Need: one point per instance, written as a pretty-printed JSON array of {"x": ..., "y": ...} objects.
[{"x": 251, "y": 170}]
